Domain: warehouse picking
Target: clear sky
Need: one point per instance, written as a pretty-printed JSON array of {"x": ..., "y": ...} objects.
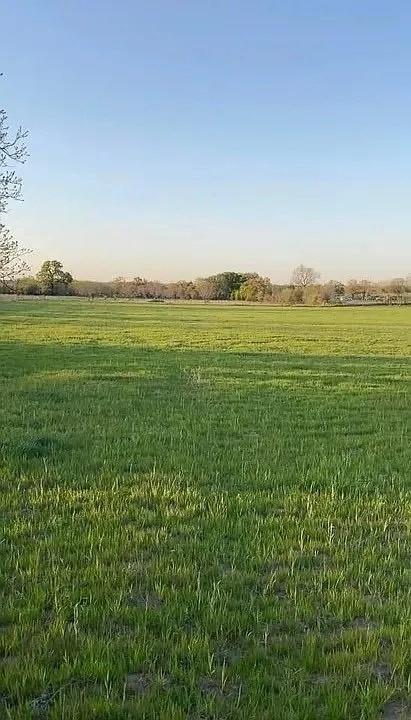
[{"x": 175, "y": 138}]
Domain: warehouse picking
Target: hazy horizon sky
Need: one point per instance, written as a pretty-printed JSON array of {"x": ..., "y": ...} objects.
[{"x": 172, "y": 139}]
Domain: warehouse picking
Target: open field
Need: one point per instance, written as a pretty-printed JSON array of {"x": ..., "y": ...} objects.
[{"x": 206, "y": 512}]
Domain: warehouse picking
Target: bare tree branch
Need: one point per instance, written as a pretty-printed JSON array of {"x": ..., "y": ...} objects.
[
  {"x": 12, "y": 262},
  {"x": 13, "y": 149}
]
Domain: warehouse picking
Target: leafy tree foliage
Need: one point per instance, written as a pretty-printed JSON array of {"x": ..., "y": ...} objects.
[
  {"x": 53, "y": 280},
  {"x": 255, "y": 289},
  {"x": 27, "y": 285},
  {"x": 207, "y": 289},
  {"x": 248, "y": 287}
]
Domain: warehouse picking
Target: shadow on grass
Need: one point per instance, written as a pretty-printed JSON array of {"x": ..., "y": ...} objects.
[
  {"x": 176, "y": 491},
  {"x": 213, "y": 416}
]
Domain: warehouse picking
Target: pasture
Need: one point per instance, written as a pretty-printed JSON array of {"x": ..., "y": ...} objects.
[{"x": 205, "y": 512}]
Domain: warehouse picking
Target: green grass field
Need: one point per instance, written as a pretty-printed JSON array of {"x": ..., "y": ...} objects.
[{"x": 206, "y": 512}]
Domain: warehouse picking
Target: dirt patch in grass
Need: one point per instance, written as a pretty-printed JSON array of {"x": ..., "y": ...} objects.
[
  {"x": 319, "y": 679},
  {"x": 138, "y": 683},
  {"x": 373, "y": 598},
  {"x": 271, "y": 570},
  {"x": 228, "y": 655},
  {"x": 287, "y": 628},
  {"x": 229, "y": 689},
  {"x": 115, "y": 629},
  {"x": 385, "y": 643},
  {"x": 38, "y": 446},
  {"x": 396, "y": 710},
  {"x": 381, "y": 671},
  {"x": 280, "y": 592},
  {"x": 148, "y": 601},
  {"x": 361, "y": 623},
  {"x": 9, "y": 660},
  {"x": 225, "y": 570},
  {"x": 40, "y": 705}
]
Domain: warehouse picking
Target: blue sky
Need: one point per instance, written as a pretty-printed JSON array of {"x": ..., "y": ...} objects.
[{"x": 175, "y": 138}]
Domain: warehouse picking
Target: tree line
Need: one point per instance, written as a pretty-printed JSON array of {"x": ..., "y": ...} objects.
[{"x": 303, "y": 288}]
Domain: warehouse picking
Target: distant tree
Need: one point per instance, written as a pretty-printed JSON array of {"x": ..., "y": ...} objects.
[
  {"x": 312, "y": 295},
  {"x": 53, "y": 280},
  {"x": 155, "y": 290},
  {"x": 118, "y": 286},
  {"x": 192, "y": 291},
  {"x": 397, "y": 286},
  {"x": 228, "y": 283},
  {"x": 360, "y": 289},
  {"x": 223, "y": 286},
  {"x": 27, "y": 286},
  {"x": 332, "y": 290},
  {"x": 182, "y": 290},
  {"x": 255, "y": 289},
  {"x": 136, "y": 288},
  {"x": 352, "y": 287},
  {"x": 206, "y": 288},
  {"x": 12, "y": 263},
  {"x": 296, "y": 295},
  {"x": 303, "y": 276},
  {"x": 92, "y": 288},
  {"x": 288, "y": 295}
]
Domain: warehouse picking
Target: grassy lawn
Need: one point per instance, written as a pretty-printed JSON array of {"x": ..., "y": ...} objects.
[{"x": 206, "y": 512}]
